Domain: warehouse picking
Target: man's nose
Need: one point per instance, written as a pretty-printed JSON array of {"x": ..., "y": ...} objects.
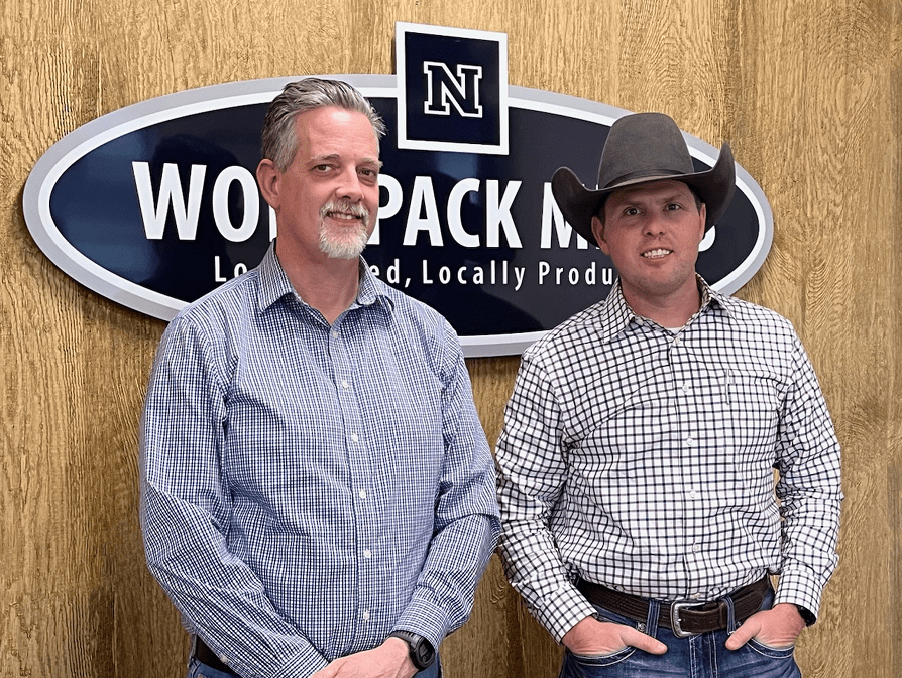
[
  {"x": 350, "y": 187},
  {"x": 655, "y": 225}
]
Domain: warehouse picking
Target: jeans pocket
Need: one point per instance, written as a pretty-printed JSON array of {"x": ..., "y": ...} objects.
[
  {"x": 197, "y": 669},
  {"x": 772, "y": 652},
  {"x": 603, "y": 659}
]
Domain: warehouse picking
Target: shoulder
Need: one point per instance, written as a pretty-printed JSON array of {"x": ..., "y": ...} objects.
[
  {"x": 219, "y": 313},
  {"x": 419, "y": 332},
  {"x": 570, "y": 337},
  {"x": 754, "y": 316},
  {"x": 414, "y": 315}
]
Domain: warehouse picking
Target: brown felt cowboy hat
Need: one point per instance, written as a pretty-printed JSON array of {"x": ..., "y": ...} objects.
[{"x": 644, "y": 147}]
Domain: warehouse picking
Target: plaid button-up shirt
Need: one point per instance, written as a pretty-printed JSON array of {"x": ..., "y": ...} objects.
[
  {"x": 643, "y": 459},
  {"x": 307, "y": 488}
]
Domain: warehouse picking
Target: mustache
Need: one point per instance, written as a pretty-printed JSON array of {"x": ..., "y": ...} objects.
[{"x": 347, "y": 207}]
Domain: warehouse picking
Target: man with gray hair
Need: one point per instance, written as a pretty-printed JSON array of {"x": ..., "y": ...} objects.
[{"x": 317, "y": 492}]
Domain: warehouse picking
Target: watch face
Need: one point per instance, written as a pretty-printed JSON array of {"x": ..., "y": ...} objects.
[{"x": 424, "y": 653}]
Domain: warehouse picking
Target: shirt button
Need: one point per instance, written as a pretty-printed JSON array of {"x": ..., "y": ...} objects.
[
  {"x": 362, "y": 494},
  {"x": 367, "y": 553},
  {"x": 335, "y": 334},
  {"x": 685, "y": 387},
  {"x": 693, "y": 494},
  {"x": 354, "y": 437},
  {"x": 345, "y": 384},
  {"x": 695, "y": 548},
  {"x": 677, "y": 341},
  {"x": 366, "y": 615},
  {"x": 690, "y": 441}
]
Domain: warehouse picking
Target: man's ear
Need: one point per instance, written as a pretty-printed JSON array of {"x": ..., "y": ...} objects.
[
  {"x": 268, "y": 181},
  {"x": 598, "y": 232},
  {"x": 703, "y": 214}
]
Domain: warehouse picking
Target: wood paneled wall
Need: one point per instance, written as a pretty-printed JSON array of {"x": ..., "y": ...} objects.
[{"x": 809, "y": 95}]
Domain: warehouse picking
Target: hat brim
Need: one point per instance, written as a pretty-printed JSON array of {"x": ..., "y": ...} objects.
[{"x": 579, "y": 204}]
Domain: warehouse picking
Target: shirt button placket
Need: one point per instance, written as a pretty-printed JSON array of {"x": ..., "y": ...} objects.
[{"x": 361, "y": 472}]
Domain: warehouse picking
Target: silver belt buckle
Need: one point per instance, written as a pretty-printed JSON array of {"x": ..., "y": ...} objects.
[{"x": 675, "y": 619}]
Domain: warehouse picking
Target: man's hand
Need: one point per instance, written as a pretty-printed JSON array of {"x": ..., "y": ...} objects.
[
  {"x": 777, "y": 628},
  {"x": 389, "y": 660},
  {"x": 591, "y": 637}
]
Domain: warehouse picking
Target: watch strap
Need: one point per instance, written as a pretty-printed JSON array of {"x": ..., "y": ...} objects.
[{"x": 422, "y": 654}]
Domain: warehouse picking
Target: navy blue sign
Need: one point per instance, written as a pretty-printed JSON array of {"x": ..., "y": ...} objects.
[{"x": 156, "y": 204}]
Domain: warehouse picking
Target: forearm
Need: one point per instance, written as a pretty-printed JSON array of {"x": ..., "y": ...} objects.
[
  {"x": 533, "y": 565},
  {"x": 809, "y": 555},
  {"x": 218, "y": 595},
  {"x": 443, "y": 597},
  {"x": 809, "y": 490}
]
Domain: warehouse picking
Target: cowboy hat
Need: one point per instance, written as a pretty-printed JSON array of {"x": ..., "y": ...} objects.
[{"x": 644, "y": 147}]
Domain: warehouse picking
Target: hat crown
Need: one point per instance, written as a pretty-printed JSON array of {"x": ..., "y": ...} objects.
[
  {"x": 639, "y": 148},
  {"x": 643, "y": 145}
]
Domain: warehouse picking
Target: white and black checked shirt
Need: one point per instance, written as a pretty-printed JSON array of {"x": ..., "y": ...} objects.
[
  {"x": 642, "y": 459},
  {"x": 307, "y": 489}
]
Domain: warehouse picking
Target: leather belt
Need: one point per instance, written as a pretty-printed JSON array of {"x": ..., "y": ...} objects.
[
  {"x": 205, "y": 655},
  {"x": 684, "y": 618}
]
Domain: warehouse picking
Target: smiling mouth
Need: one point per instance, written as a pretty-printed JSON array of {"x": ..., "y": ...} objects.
[
  {"x": 656, "y": 254},
  {"x": 344, "y": 216},
  {"x": 345, "y": 211}
]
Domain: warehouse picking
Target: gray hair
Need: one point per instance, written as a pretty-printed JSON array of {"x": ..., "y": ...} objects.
[{"x": 279, "y": 140}]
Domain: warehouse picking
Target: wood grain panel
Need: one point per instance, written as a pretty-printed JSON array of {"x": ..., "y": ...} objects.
[{"x": 809, "y": 95}]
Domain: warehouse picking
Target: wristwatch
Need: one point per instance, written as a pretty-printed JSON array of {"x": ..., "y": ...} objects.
[{"x": 422, "y": 654}]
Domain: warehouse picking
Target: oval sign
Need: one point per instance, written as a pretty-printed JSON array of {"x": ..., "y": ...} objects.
[{"x": 155, "y": 205}]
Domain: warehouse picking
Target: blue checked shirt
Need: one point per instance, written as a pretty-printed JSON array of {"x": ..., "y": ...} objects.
[
  {"x": 307, "y": 489},
  {"x": 643, "y": 459}
]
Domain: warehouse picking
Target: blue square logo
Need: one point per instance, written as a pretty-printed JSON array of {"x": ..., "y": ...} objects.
[{"x": 452, "y": 89}]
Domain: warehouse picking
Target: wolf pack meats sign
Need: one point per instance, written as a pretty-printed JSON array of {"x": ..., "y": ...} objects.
[{"x": 155, "y": 205}]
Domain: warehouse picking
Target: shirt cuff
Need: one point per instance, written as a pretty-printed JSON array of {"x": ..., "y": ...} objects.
[
  {"x": 563, "y": 610},
  {"x": 302, "y": 663},
  {"x": 424, "y": 619},
  {"x": 802, "y": 591}
]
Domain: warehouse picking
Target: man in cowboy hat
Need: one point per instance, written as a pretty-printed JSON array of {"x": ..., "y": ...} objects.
[{"x": 635, "y": 466}]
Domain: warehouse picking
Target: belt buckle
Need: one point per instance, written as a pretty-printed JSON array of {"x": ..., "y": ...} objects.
[{"x": 675, "y": 618}]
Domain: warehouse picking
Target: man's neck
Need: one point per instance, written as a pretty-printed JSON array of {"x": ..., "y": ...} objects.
[
  {"x": 673, "y": 310},
  {"x": 328, "y": 285}
]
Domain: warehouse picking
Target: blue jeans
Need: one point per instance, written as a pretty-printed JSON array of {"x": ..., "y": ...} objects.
[
  {"x": 198, "y": 669},
  {"x": 700, "y": 656}
]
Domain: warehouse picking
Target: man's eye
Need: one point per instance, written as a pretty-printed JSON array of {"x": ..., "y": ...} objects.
[
  {"x": 674, "y": 206},
  {"x": 631, "y": 211}
]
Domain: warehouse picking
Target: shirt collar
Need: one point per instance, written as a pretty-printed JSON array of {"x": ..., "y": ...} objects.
[
  {"x": 371, "y": 289},
  {"x": 615, "y": 314},
  {"x": 274, "y": 284}
]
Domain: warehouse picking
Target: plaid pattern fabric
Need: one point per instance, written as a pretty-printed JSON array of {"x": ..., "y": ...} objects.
[
  {"x": 642, "y": 458},
  {"x": 307, "y": 489}
]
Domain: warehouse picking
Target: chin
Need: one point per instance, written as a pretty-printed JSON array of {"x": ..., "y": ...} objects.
[
  {"x": 347, "y": 245},
  {"x": 342, "y": 250}
]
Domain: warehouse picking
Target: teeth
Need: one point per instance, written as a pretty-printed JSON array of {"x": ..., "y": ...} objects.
[{"x": 654, "y": 254}]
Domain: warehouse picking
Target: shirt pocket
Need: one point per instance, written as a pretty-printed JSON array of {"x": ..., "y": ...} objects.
[{"x": 753, "y": 406}]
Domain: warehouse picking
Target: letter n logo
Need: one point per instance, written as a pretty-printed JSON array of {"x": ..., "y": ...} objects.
[
  {"x": 452, "y": 89},
  {"x": 444, "y": 89}
]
